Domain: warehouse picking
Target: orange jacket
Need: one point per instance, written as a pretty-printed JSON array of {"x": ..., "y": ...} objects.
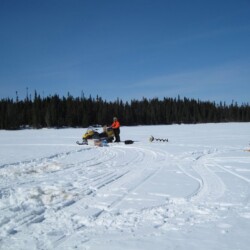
[{"x": 115, "y": 124}]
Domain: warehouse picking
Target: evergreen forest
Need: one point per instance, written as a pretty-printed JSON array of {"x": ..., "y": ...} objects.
[{"x": 57, "y": 112}]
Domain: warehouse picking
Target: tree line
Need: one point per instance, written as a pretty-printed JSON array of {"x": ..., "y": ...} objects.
[{"x": 54, "y": 111}]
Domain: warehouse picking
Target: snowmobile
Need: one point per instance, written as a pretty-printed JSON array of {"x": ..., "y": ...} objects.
[{"x": 95, "y": 138}]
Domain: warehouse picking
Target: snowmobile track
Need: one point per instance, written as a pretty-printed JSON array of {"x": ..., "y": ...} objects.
[{"x": 137, "y": 176}]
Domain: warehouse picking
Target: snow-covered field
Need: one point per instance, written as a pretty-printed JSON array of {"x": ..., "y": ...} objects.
[{"x": 192, "y": 192}]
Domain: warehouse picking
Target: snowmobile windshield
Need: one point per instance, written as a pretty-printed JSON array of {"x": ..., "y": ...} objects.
[{"x": 89, "y": 130}]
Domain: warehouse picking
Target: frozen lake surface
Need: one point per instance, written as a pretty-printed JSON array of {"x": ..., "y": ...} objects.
[{"x": 190, "y": 193}]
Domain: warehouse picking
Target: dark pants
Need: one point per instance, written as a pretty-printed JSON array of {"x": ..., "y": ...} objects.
[{"x": 117, "y": 134}]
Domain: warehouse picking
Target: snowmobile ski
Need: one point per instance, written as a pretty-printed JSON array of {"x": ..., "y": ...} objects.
[{"x": 81, "y": 143}]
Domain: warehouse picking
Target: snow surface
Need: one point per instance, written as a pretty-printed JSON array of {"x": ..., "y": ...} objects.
[{"x": 192, "y": 192}]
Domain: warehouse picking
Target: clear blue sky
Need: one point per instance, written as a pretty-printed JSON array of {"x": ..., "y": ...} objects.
[{"x": 126, "y": 48}]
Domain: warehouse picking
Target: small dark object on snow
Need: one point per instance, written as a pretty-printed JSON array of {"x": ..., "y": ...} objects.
[{"x": 128, "y": 142}]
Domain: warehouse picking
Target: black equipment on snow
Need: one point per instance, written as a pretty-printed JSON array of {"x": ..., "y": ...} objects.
[{"x": 128, "y": 142}]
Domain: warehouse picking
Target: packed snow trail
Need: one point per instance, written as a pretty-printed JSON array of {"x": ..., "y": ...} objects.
[{"x": 140, "y": 196}]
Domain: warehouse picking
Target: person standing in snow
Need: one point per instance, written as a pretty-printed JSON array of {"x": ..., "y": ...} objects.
[{"x": 116, "y": 128}]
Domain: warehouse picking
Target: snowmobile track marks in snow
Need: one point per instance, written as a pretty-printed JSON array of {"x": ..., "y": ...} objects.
[{"x": 127, "y": 175}]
